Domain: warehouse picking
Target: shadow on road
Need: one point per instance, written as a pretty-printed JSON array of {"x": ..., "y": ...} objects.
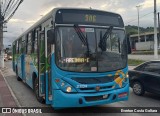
[{"x": 152, "y": 96}]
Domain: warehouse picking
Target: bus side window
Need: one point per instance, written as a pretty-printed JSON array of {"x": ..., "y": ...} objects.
[
  {"x": 29, "y": 45},
  {"x": 23, "y": 45},
  {"x": 34, "y": 41},
  {"x": 17, "y": 47},
  {"x": 26, "y": 45},
  {"x": 20, "y": 46}
]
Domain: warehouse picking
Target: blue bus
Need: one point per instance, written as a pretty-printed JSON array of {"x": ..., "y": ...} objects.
[{"x": 74, "y": 58}]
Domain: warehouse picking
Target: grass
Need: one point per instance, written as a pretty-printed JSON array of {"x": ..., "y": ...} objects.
[{"x": 132, "y": 62}]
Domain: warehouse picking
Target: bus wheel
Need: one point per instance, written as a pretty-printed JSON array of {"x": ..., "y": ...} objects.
[
  {"x": 36, "y": 91},
  {"x": 18, "y": 78}
]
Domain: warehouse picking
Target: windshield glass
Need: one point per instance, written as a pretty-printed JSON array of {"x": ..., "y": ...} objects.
[{"x": 83, "y": 49}]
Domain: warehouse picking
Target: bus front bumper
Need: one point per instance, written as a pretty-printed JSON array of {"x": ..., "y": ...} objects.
[{"x": 67, "y": 100}]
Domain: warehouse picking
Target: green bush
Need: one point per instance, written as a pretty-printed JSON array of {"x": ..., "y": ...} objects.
[{"x": 132, "y": 62}]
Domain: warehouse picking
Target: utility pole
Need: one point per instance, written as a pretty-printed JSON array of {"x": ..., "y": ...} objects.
[
  {"x": 155, "y": 31},
  {"x": 1, "y": 38},
  {"x": 9, "y": 8},
  {"x": 138, "y": 6}
]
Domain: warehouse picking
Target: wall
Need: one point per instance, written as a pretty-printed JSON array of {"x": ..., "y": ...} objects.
[{"x": 149, "y": 45}]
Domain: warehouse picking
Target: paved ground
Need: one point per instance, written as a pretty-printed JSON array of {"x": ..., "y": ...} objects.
[
  {"x": 27, "y": 98},
  {"x": 142, "y": 57},
  {"x": 6, "y": 98}
]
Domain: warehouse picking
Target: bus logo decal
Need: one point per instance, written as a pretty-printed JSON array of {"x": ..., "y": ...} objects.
[{"x": 97, "y": 88}]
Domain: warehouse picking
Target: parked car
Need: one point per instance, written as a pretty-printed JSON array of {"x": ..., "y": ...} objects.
[{"x": 145, "y": 77}]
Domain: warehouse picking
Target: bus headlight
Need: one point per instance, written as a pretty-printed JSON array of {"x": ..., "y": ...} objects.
[
  {"x": 69, "y": 89},
  {"x": 64, "y": 86}
]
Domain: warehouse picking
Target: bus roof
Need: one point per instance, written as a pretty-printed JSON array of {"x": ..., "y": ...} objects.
[{"x": 52, "y": 13}]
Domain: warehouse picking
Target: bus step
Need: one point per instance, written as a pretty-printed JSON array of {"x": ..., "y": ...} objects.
[{"x": 41, "y": 95}]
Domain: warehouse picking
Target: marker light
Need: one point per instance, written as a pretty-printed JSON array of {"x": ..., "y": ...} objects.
[
  {"x": 68, "y": 89},
  {"x": 57, "y": 80},
  {"x": 122, "y": 95},
  {"x": 62, "y": 84},
  {"x": 127, "y": 75}
]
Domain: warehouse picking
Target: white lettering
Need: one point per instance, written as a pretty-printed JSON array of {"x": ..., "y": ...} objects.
[
  {"x": 126, "y": 110},
  {"x": 150, "y": 110},
  {"x": 138, "y": 110}
]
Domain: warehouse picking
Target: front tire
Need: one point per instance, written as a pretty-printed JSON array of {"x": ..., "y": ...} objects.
[
  {"x": 138, "y": 88},
  {"x": 36, "y": 91}
]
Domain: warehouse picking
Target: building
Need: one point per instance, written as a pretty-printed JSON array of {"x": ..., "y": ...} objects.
[{"x": 146, "y": 41}]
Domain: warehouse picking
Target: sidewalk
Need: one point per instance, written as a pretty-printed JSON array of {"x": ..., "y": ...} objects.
[
  {"x": 6, "y": 98},
  {"x": 142, "y": 57}
]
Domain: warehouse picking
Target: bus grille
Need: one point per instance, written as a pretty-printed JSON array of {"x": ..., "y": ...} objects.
[
  {"x": 95, "y": 98},
  {"x": 94, "y": 80}
]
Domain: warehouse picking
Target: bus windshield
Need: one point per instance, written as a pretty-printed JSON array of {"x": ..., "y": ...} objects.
[{"x": 83, "y": 49}]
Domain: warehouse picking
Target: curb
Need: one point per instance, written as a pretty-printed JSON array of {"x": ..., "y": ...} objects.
[{"x": 12, "y": 93}]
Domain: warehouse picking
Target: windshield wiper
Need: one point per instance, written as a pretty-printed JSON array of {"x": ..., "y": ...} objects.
[
  {"x": 82, "y": 38},
  {"x": 102, "y": 42}
]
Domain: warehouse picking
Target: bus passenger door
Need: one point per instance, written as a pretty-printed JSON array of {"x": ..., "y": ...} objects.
[
  {"x": 44, "y": 68},
  {"x": 41, "y": 63},
  {"x": 48, "y": 70}
]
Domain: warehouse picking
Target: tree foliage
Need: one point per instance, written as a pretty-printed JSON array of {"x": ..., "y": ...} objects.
[{"x": 131, "y": 29}]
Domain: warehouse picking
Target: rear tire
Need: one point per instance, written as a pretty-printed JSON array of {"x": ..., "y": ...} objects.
[
  {"x": 18, "y": 78},
  {"x": 36, "y": 91},
  {"x": 138, "y": 88}
]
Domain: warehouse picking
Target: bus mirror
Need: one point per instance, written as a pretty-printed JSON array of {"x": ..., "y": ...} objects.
[
  {"x": 128, "y": 46},
  {"x": 50, "y": 36}
]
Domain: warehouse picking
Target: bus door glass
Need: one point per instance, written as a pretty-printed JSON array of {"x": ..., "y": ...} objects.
[
  {"x": 44, "y": 67},
  {"x": 41, "y": 63},
  {"x": 48, "y": 68}
]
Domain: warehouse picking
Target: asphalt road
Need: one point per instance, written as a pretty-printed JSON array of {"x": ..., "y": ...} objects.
[{"x": 26, "y": 98}]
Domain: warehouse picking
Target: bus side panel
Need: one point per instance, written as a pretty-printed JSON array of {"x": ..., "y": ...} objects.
[
  {"x": 30, "y": 68},
  {"x": 16, "y": 62},
  {"x": 23, "y": 66},
  {"x": 13, "y": 58},
  {"x": 19, "y": 66},
  {"x": 27, "y": 70},
  {"x": 13, "y": 65}
]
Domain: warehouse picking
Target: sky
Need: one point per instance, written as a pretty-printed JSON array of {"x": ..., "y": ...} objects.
[{"x": 31, "y": 11}]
